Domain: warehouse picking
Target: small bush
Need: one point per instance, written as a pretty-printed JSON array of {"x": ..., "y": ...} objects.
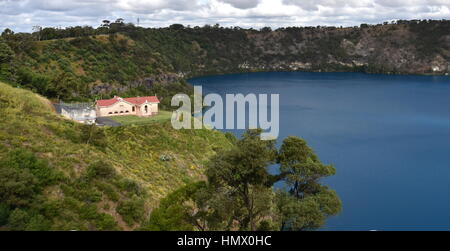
[
  {"x": 132, "y": 210},
  {"x": 100, "y": 169},
  {"x": 130, "y": 186},
  {"x": 106, "y": 222}
]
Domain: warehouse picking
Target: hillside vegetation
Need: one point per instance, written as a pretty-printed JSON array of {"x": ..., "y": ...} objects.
[
  {"x": 56, "y": 174},
  {"x": 83, "y": 63}
]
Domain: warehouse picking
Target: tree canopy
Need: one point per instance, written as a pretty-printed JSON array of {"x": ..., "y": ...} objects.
[{"x": 239, "y": 194}]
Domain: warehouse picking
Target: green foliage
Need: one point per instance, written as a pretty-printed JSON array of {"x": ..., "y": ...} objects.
[
  {"x": 162, "y": 116},
  {"x": 83, "y": 63},
  {"x": 266, "y": 225},
  {"x": 72, "y": 189},
  {"x": 244, "y": 165},
  {"x": 4, "y": 213},
  {"x": 239, "y": 195},
  {"x": 17, "y": 187},
  {"x": 100, "y": 169},
  {"x": 244, "y": 169},
  {"x": 6, "y": 57},
  {"x": 308, "y": 213},
  {"x": 58, "y": 177},
  {"x": 24, "y": 159},
  {"x": 132, "y": 210},
  {"x": 22, "y": 220},
  {"x": 6, "y": 54},
  {"x": 106, "y": 222},
  {"x": 301, "y": 167},
  {"x": 430, "y": 37},
  {"x": 18, "y": 219},
  {"x": 92, "y": 134},
  {"x": 130, "y": 186},
  {"x": 23, "y": 176},
  {"x": 173, "y": 211},
  {"x": 230, "y": 136}
]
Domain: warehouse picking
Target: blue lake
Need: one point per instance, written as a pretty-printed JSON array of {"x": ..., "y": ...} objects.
[{"x": 388, "y": 137}]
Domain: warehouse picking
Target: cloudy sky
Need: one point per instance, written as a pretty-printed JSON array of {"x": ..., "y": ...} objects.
[{"x": 22, "y": 15}]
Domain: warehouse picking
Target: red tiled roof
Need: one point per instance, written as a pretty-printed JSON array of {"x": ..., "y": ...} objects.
[
  {"x": 107, "y": 102},
  {"x": 136, "y": 101},
  {"x": 141, "y": 100}
]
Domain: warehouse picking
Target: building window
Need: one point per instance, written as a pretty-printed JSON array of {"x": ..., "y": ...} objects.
[
  {"x": 133, "y": 109},
  {"x": 115, "y": 112},
  {"x": 110, "y": 113},
  {"x": 121, "y": 111},
  {"x": 146, "y": 109},
  {"x": 127, "y": 111}
]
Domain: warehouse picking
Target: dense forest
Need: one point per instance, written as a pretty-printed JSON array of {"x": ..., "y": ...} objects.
[{"x": 79, "y": 63}]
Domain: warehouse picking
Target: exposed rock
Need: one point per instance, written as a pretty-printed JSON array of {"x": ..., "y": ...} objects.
[{"x": 147, "y": 82}]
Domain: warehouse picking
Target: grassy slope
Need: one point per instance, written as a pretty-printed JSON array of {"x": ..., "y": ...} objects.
[
  {"x": 27, "y": 121},
  {"x": 162, "y": 116}
]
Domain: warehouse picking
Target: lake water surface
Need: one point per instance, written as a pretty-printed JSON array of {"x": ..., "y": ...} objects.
[{"x": 388, "y": 137}]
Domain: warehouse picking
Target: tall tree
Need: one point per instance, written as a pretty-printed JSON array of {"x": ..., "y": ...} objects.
[
  {"x": 243, "y": 171},
  {"x": 309, "y": 202},
  {"x": 301, "y": 168}
]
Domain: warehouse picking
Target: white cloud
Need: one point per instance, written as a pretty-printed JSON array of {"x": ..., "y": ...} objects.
[
  {"x": 242, "y": 4},
  {"x": 21, "y": 15}
]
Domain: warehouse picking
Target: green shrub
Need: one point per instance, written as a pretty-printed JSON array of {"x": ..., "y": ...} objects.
[
  {"x": 130, "y": 186},
  {"x": 4, "y": 213},
  {"x": 101, "y": 169},
  {"x": 106, "y": 222},
  {"x": 24, "y": 159},
  {"x": 17, "y": 186},
  {"x": 132, "y": 210},
  {"x": 18, "y": 220},
  {"x": 109, "y": 190},
  {"x": 88, "y": 212},
  {"x": 38, "y": 223}
]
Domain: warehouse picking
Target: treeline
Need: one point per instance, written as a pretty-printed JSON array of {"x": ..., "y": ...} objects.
[
  {"x": 81, "y": 63},
  {"x": 119, "y": 25},
  {"x": 48, "y": 33}
]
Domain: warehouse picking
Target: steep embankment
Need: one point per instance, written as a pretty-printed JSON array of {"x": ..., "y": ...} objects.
[
  {"x": 57, "y": 174},
  {"x": 406, "y": 48}
]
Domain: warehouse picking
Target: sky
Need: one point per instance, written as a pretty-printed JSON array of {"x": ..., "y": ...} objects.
[{"x": 22, "y": 15}]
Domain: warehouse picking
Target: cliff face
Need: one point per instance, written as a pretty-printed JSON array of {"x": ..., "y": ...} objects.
[
  {"x": 395, "y": 48},
  {"x": 131, "y": 61}
]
